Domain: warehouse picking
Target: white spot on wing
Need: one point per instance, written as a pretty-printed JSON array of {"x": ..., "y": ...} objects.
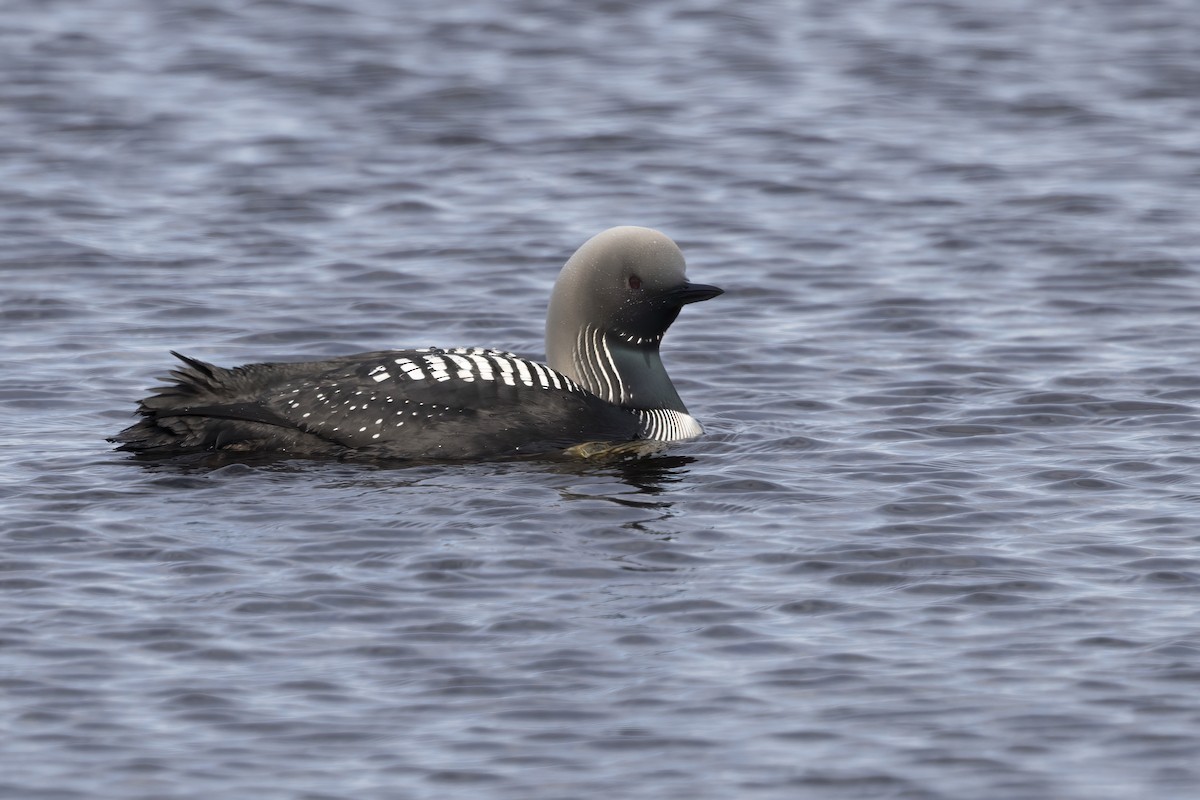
[
  {"x": 540, "y": 372},
  {"x": 411, "y": 369},
  {"x": 504, "y": 362},
  {"x": 437, "y": 367},
  {"x": 523, "y": 371},
  {"x": 466, "y": 370},
  {"x": 484, "y": 366}
]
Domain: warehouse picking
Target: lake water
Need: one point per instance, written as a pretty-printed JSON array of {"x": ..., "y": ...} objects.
[{"x": 942, "y": 539}]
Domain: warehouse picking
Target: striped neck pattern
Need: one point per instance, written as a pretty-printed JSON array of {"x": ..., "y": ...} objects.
[
  {"x": 613, "y": 368},
  {"x": 597, "y": 369},
  {"x": 665, "y": 425}
]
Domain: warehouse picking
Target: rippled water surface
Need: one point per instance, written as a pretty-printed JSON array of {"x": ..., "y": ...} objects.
[{"x": 942, "y": 539}]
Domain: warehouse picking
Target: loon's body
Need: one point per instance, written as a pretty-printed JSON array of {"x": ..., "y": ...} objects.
[{"x": 604, "y": 382}]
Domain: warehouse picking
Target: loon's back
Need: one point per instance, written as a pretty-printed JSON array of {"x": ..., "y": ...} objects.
[{"x": 409, "y": 404}]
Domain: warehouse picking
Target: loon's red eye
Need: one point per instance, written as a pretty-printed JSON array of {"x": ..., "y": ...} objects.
[{"x": 635, "y": 282}]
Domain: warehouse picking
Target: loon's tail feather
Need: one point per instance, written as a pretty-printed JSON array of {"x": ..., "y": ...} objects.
[
  {"x": 172, "y": 434},
  {"x": 195, "y": 409},
  {"x": 184, "y": 386}
]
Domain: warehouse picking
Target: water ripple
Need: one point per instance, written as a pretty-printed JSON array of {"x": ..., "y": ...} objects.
[{"x": 937, "y": 542}]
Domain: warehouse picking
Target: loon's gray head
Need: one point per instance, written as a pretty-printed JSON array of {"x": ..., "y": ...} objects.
[{"x": 612, "y": 303}]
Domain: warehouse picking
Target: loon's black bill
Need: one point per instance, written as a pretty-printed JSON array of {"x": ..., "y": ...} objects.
[{"x": 695, "y": 292}]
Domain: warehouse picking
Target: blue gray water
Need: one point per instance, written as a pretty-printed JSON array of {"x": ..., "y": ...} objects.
[{"x": 941, "y": 541}]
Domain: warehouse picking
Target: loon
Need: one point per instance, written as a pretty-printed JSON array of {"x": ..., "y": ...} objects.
[{"x": 604, "y": 380}]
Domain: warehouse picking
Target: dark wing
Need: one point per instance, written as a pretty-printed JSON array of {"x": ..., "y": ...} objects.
[{"x": 447, "y": 404}]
